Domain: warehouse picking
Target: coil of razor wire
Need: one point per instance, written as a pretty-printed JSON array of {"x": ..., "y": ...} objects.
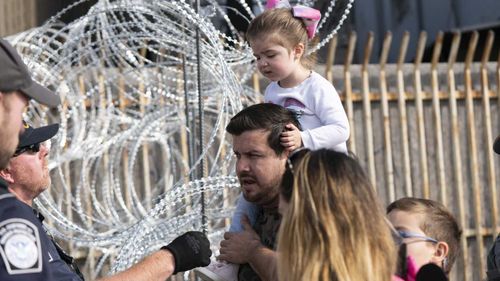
[{"x": 126, "y": 73}]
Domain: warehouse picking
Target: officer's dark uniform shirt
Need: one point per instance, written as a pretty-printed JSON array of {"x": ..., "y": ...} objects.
[{"x": 27, "y": 253}]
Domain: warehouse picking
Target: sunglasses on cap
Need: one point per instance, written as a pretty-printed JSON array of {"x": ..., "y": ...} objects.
[{"x": 31, "y": 149}]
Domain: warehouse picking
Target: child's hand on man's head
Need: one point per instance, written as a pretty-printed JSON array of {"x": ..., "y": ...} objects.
[{"x": 291, "y": 138}]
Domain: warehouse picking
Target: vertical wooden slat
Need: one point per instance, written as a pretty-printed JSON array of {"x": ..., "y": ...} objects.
[
  {"x": 348, "y": 90},
  {"x": 143, "y": 102},
  {"x": 11, "y": 10},
  {"x": 67, "y": 179},
  {"x": 436, "y": 112},
  {"x": 367, "y": 111},
  {"x": 490, "y": 162},
  {"x": 330, "y": 57},
  {"x": 183, "y": 134},
  {"x": 402, "y": 113},
  {"x": 68, "y": 198},
  {"x": 182, "y": 89},
  {"x": 389, "y": 168},
  {"x": 91, "y": 256},
  {"x": 8, "y": 11},
  {"x": 3, "y": 30},
  {"x": 16, "y": 19},
  {"x": 11, "y": 13},
  {"x": 16, "y": 7},
  {"x": 21, "y": 20},
  {"x": 89, "y": 266},
  {"x": 11, "y": 22},
  {"x": 108, "y": 196},
  {"x": 424, "y": 173},
  {"x": 226, "y": 192},
  {"x": 256, "y": 82},
  {"x": 122, "y": 105},
  {"x": 32, "y": 14},
  {"x": 166, "y": 166},
  {"x": 471, "y": 135},
  {"x": 455, "y": 139},
  {"x": 145, "y": 155},
  {"x": 86, "y": 191}
]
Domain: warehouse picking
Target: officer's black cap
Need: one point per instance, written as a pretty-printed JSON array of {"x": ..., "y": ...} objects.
[{"x": 36, "y": 135}]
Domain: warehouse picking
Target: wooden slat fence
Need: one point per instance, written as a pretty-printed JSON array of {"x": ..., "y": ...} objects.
[
  {"x": 426, "y": 129},
  {"x": 17, "y": 16}
]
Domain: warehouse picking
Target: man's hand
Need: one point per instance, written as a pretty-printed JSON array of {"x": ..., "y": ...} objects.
[
  {"x": 238, "y": 247},
  {"x": 291, "y": 138},
  {"x": 190, "y": 250}
]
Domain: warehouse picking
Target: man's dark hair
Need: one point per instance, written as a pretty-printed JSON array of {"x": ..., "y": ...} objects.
[{"x": 264, "y": 116}]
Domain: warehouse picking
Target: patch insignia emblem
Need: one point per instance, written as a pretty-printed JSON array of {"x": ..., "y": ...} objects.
[{"x": 20, "y": 246}]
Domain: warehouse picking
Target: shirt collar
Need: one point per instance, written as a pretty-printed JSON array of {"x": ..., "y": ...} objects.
[{"x": 3, "y": 184}]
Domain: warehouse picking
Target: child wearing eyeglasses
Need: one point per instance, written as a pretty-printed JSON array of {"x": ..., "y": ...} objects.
[{"x": 428, "y": 229}]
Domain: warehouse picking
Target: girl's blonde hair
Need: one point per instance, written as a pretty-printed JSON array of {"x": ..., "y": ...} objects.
[
  {"x": 334, "y": 228},
  {"x": 284, "y": 29}
]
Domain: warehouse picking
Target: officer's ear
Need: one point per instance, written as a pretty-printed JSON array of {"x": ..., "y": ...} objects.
[{"x": 6, "y": 175}]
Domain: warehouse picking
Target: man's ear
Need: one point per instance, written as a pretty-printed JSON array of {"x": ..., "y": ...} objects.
[
  {"x": 7, "y": 175},
  {"x": 441, "y": 253},
  {"x": 298, "y": 51}
]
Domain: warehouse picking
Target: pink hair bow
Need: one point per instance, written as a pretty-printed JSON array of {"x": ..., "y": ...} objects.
[
  {"x": 274, "y": 4},
  {"x": 309, "y": 16}
]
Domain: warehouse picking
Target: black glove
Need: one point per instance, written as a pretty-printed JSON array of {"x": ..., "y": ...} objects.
[{"x": 190, "y": 250}]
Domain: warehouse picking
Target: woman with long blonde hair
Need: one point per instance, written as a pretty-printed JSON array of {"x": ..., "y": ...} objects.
[{"x": 333, "y": 225}]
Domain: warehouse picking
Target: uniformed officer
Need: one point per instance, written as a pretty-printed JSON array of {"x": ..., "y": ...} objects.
[
  {"x": 26, "y": 251},
  {"x": 18, "y": 250},
  {"x": 23, "y": 243}
]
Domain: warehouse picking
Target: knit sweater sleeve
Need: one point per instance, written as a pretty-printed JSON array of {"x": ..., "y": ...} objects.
[{"x": 325, "y": 102}]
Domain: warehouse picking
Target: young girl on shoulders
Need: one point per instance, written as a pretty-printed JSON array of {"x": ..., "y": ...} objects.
[{"x": 280, "y": 39}]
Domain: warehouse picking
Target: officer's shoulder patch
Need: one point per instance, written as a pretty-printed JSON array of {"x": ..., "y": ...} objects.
[{"x": 20, "y": 246}]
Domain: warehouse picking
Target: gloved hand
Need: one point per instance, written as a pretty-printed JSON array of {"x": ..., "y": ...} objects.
[{"x": 190, "y": 250}]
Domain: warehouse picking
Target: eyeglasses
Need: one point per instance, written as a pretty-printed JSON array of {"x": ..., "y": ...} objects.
[
  {"x": 32, "y": 149},
  {"x": 406, "y": 234}
]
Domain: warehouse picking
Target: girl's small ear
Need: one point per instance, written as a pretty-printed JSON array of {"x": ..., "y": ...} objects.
[{"x": 299, "y": 50}]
